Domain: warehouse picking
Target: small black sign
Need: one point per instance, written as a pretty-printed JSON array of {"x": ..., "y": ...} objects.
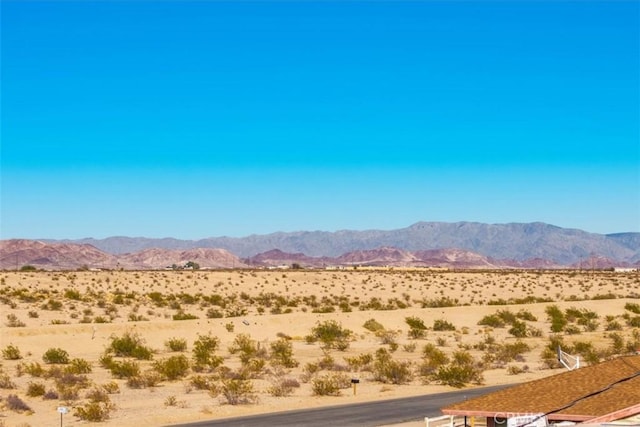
[{"x": 355, "y": 381}]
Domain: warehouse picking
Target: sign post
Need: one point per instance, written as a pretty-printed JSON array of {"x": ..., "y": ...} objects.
[
  {"x": 354, "y": 381},
  {"x": 62, "y": 410}
]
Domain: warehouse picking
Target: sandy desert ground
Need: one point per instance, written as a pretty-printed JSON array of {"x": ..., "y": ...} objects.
[{"x": 257, "y": 316}]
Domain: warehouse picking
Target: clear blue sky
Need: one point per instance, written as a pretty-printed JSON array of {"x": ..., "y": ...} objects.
[{"x": 211, "y": 118}]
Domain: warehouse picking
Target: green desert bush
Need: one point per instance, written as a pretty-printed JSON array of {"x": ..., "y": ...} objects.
[
  {"x": 461, "y": 371},
  {"x": 129, "y": 345},
  {"x": 282, "y": 353},
  {"x": 176, "y": 344},
  {"x": 95, "y": 411},
  {"x": 36, "y": 389},
  {"x": 11, "y": 352},
  {"x": 387, "y": 370},
  {"x": 443, "y": 325},
  {"x": 417, "y": 328},
  {"x": 329, "y": 384},
  {"x": 173, "y": 368},
  {"x": 204, "y": 356},
  {"x": 373, "y": 325},
  {"x": 432, "y": 359},
  {"x": 14, "y": 322},
  {"x": 56, "y": 356},
  {"x": 331, "y": 335},
  {"x": 78, "y": 366},
  {"x": 238, "y": 391}
]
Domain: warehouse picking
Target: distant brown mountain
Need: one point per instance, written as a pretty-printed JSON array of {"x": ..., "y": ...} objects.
[
  {"x": 394, "y": 257},
  {"x": 15, "y": 254}
]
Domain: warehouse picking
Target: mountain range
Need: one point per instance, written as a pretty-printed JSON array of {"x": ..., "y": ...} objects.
[{"x": 459, "y": 245}]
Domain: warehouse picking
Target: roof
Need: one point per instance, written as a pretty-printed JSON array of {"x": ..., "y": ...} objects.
[{"x": 610, "y": 388}]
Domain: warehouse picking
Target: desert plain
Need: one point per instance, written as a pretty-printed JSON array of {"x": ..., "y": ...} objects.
[{"x": 152, "y": 348}]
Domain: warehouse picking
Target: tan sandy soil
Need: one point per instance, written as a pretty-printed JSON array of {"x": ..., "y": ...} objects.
[{"x": 118, "y": 297}]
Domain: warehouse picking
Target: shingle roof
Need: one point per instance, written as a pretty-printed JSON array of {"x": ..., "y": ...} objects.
[{"x": 579, "y": 395}]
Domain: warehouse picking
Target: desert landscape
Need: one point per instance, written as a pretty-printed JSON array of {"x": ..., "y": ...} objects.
[{"x": 149, "y": 348}]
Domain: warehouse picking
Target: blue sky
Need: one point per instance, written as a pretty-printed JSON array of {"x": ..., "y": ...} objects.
[{"x": 211, "y": 118}]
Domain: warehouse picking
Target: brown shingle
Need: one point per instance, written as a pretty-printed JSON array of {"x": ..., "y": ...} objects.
[{"x": 553, "y": 393}]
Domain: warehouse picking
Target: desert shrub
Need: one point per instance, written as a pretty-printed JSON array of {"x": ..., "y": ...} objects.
[
  {"x": 417, "y": 328},
  {"x": 78, "y": 366},
  {"x": 518, "y": 329},
  {"x": 511, "y": 351},
  {"x": 440, "y": 302},
  {"x": 526, "y": 315},
  {"x": 410, "y": 347},
  {"x": 360, "y": 362},
  {"x": 282, "y": 353},
  {"x": 201, "y": 382},
  {"x": 373, "y": 325},
  {"x": 387, "y": 370},
  {"x": 14, "y": 403},
  {"x": 5, "y": 381},
  {"x": 14, "y": 322},
  {"x": 176, "y": 344},
  {"x": 94, "y": 411},
  {"x": 184, "y": 316},
  {"x": 443, "y": 325},
  {"x": 632, "y": 307},
  {"x": 213, "y": 313},
  {"x": 617, "y": 343},
  {"x": 282, "y": 386},
  {"x": 492, "y": 320},
  {"x": 32, "y": 368},
  {"x": 634, "y": 321},
  {"x": 204, "y": 356},
  {"x": 516, "y": 370},
  {"x": 72, "y": 294},
  {"x": 557, "y": 318},
  {"x": 129, "y": 345},
  {"x": 56, "y": 356},
  {"x": 461, "y": 371},
  {"x": 173, "y": 368},
  {"x": 246, "y": 347},
  {"x": 111, "y": 387},
  {"x": 144, "y": 380},
  {"x": 53, "y": 305},
  {"x": 35, "y": 389},
  {"x": 51, "y": 395},
  {"x": 329, "y": 384},
  {"x": 612, "y": 325},
  {"x": 238, "y": 391},
  {"x": 387, "y": 337},
  {"x": 11, "y": 352},
  {"x": 331, "y": 334},
  {"x": 432, "y": 359},
  {"x": 124, "y": 368}
]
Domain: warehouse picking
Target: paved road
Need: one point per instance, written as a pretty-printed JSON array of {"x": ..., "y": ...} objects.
[{"x": 355, "y": 415}]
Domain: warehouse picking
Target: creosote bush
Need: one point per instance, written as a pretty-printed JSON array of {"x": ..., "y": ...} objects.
[
  {"x": 331, "y": 335},
  {"x": 56, "y": 356},
  {"x": 173, "y": 368},
  {"x": 330, "y": 384},
  {"x": 11, "y": 352},
  {"x": 129, "y": 345},
  {"x": 204, "y": 356}
]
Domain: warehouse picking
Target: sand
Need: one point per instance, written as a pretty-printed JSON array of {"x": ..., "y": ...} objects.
[{"x": 272, "y": 304}]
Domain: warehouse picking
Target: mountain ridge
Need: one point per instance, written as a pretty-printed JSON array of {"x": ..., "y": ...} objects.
[{"x": 517, "y": 241}]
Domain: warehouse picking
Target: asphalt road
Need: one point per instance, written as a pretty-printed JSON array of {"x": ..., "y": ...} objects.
[{"x": 355, "y": 415}]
